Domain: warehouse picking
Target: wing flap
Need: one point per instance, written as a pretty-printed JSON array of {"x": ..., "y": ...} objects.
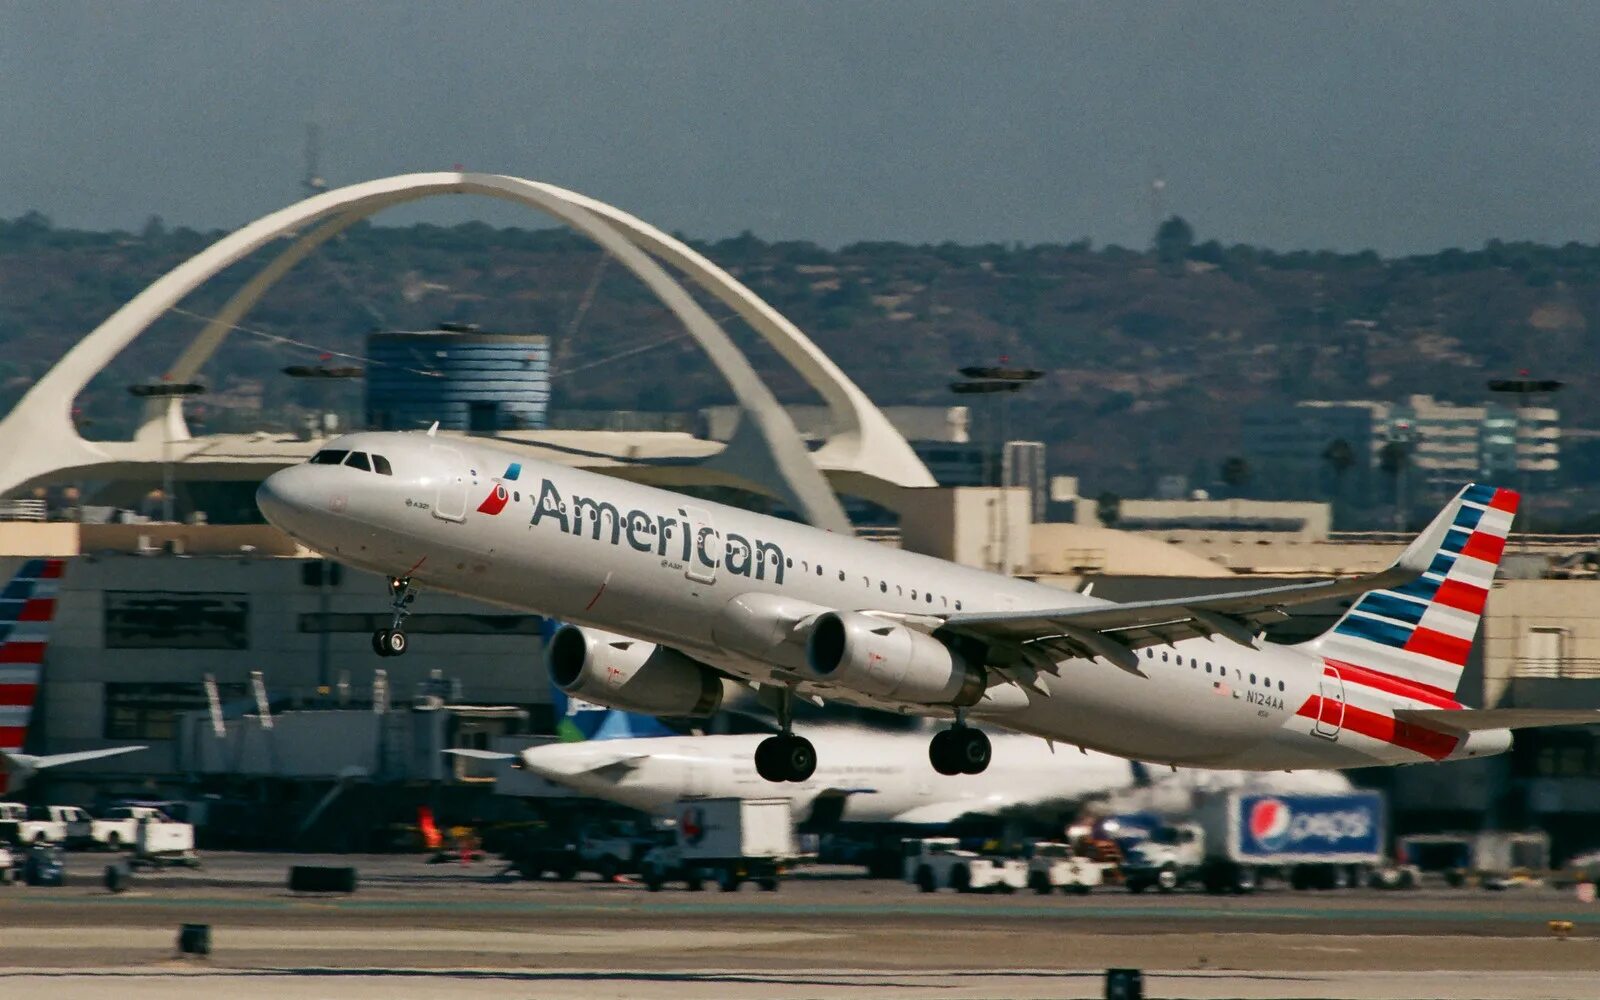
[{"x": 1472, "y": 720}]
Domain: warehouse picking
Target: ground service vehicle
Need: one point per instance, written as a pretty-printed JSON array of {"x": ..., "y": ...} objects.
[
  {"x": 1236, "y": 838},
  {"x": 1053, "y": 865},
  {"x": 724, "y": 840},
  {"x": 40, "y": 824},
  {"x": 540, "y": 852},
  {"x": 116, "y": 829},
  {"x": 163, "y": 842},
  {"x": 934, "y": 863}
]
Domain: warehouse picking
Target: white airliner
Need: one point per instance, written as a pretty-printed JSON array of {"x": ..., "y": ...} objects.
[
  {"x": 673, "y": 597},
  {"x": 866, "y": 776},
  {"x": 27, "y": 610}
]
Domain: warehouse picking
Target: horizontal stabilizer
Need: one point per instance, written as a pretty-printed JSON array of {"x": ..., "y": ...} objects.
[
  {"x": 1472, "y": 720},
  {"x": 57, "y": 759},
  {"x": 472, "y": 754}
]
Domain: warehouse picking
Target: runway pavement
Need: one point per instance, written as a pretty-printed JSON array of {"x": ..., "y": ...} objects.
[{"x": 414, "y": 929}]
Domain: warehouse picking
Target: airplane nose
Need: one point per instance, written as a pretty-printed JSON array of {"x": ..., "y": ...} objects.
[{"x": 282, "y": 497}]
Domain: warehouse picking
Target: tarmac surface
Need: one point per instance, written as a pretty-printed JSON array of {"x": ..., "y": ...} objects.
[{"x": 418, "y": 930}]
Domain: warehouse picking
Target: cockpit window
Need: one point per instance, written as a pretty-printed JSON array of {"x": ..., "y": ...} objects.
[
  {"x": 358, "y": 460},
  {"x": 330, "y": 456},
  {"x": 380, "y": 465}
]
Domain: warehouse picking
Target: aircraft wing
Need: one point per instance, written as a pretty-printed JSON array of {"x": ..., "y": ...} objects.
[
  {"x": 1472, "y": 720},
  {"x": 57, "y": 759},
  {"x": 1114, "y": 631}
]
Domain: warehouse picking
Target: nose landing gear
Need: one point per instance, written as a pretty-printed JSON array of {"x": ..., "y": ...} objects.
[
  {"x": 392, "y": 640},
  {"x": 786, "y": 757},
  {"x": 959, "y": 750}
]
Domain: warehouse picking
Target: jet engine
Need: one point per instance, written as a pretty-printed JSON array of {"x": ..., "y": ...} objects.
[
  {"x": 624, "y": 673},
  {"x": 888, "y": 660}
]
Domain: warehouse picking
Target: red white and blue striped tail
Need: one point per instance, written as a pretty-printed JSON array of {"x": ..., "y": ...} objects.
[
  {"x": 1420, "y": 633},
  {"x": 27, "y": 608}
]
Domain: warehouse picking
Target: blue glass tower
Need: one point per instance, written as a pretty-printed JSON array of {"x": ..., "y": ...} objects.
[{"x": 467, "y": 379}]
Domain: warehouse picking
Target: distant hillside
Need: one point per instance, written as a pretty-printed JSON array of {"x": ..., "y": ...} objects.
[{"x": 1150, "y": 355}]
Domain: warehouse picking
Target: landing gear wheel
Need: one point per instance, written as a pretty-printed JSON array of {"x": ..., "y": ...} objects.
[
  {"x": 959, "y": 751},
  {"x": 767, "y": 763},
  {"x": 940, "y": 753},
  {"x": 972, "y": 750},
  {"x": 786, "y": 758},
  {"x": 799, "y": 758},
  {"x": 390, "y": 642}
]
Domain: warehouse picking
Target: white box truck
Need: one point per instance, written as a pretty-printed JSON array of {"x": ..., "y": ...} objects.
[{"x": 727, "y": 841}]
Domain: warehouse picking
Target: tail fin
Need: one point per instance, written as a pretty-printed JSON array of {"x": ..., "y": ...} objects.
[
  {"x": 27, "y": 608},
  {"x": 578, "y": 720},
  {"x": 1422, "y": 632}
]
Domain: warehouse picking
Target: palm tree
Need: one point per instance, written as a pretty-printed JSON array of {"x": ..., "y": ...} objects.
[
  {"x": 1235, "y": 474},
  {"x": 1339, "y": 457}
]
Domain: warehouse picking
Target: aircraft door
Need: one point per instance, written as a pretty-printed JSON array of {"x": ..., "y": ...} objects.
[
  {"x": 1330, "y": 714},
  {"x": 705, "y": 547},
  {"x": 450, "y": 499}
]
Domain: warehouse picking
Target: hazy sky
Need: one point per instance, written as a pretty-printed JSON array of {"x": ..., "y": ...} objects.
[{"x": 1401, "y": 127}]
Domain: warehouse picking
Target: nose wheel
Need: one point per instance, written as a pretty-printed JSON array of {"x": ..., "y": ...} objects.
[
  {"x": 392, "y": 641},
  {"x": 959, "y": 750},
  {"x": 786, "y": 757}
]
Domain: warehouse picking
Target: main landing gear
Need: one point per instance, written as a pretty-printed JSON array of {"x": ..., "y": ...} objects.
[
  {"x": 392, "y": 641},
  {"x": 959, "y": 750},
  {"x": 786, "y": 757}
]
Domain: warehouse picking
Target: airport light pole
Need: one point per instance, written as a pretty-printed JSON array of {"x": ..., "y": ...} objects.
[
  {"x": 999, "y": 381},
  {"x": 1526, "y": 390},
  {"x": 166, "y": 390},
  {"x": 325, "y": 375}
]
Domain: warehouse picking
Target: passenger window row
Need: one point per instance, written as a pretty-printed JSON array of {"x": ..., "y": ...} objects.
[
  {"x": 883, "y": 585},
  {"x": 354, "y": 459},
  {"x": 1194, "y": 664}
]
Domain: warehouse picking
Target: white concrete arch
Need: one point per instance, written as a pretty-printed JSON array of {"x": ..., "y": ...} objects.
[{"x": 864, "y": 453}]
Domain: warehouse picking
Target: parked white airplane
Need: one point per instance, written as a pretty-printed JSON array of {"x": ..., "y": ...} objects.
[
  {"x": 674, "y": 596},
  {"x": 27, "y": 609},
  {"x": 866, "y": 777}
]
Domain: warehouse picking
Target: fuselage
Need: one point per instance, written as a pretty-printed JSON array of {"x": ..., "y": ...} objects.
[
  {"x": 873, "y": 777},
  {"x": 460, "y": 516}
]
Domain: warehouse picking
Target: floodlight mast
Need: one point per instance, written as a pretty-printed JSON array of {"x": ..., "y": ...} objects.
[{"x": 166, "y": 390}]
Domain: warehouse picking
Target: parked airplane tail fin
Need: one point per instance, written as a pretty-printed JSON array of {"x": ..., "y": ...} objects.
[
  {"x": 578, "y": 720},
  {"x": 1415, "y": 637},
  {"x": 27, "y": 609}
]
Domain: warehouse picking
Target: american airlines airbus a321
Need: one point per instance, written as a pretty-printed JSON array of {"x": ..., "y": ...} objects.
[{"x": 669, "y": 599}]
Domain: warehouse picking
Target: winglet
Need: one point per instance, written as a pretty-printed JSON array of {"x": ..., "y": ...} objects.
[{"x": 433, "y": 431}]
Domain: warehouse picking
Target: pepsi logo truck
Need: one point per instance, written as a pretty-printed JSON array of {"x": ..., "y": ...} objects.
[{"x": 1239, "y": 838}]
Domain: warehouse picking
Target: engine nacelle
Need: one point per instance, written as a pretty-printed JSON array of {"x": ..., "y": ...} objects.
[
  {"x": 623, "y": 673},
  {"x": 888, "y": 660}
]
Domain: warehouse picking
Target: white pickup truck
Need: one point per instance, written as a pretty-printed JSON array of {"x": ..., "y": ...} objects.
[
  {"x": 40, "y": 824},
  {"x": 1053, "y": 865},
  {"x": 118, "y": 828},
  {"x": 934, "y": 863}
]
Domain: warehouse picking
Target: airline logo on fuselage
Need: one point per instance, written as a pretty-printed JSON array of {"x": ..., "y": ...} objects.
[{"x": 671, "y": 537}]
